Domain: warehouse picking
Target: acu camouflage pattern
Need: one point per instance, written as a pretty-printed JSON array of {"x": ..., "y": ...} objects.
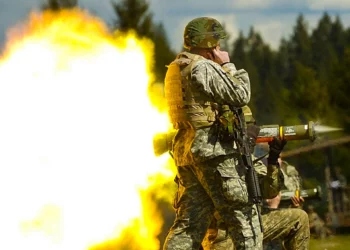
[
  {"x": 227, "y": 195},
  {"x": 203, "y": 32},
  {"x": 289, "y": 224},
  {"x": 292, "y": 179},
  {"x": 270, "y": 179},
  {"x": 219, "y": 86},
  {"x": 211, "y": 176}
]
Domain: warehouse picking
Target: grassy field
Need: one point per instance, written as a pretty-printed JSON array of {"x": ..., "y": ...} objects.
[{"x": 339, "y": 242}]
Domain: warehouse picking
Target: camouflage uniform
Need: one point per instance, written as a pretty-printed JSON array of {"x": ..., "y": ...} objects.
[
  {"x": 211, "y": 175},
  {"x": 292, "y": 179},
  {"x": 289, "y": 224},
  {"x": 292, "y": 182}
]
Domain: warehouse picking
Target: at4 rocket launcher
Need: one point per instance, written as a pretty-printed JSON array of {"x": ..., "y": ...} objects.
[
  {"x": 295, "y": 132},
  {"x": 162, "y": 142},
  {"x": 312, "y": 194}
]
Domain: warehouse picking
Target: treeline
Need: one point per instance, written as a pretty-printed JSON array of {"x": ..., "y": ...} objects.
[{"x": 306, "y": 78}]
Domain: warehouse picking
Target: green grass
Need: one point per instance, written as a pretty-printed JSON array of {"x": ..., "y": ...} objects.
[{"x": 339, "y": 242}]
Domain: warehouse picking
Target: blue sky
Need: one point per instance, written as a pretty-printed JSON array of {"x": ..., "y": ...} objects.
[{"x": 272, "y": 18}]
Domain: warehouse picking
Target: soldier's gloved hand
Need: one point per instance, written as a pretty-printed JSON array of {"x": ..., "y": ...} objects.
[
  {"x": 276, "y": 147},
  {"x": 252, "y": 132}
]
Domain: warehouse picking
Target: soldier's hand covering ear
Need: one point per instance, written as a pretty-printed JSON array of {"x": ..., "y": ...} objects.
[
  {"x": 276, "y": 147},
  {"x": 221, "y": 57},
  {"x": 252, "y": 132}
]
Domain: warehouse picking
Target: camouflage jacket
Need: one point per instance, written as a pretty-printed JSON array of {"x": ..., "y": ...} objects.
[
  {"x": 292, "y": 179},
  {"x": 270, "y": 178},
  {"x": 218, "y": 85}
]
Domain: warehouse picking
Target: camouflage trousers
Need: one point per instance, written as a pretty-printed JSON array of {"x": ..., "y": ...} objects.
[
  {"x": 289, "y": 225},
  {"x": 216, "y": 185}
]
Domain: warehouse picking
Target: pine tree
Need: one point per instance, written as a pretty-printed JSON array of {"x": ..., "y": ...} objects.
[
  {"x": 134, "y": 15},
  {"x": 323, "y": 52},
  {"x": 263, "y": 93},
  {"x": 238, "y": 54},
  {"x": 241, "y": 59},
  {"x": 224, "y": 44},
  {"x": 56, "y": 5},
  {"x": 253, "y": 55},
  {"x": 283, "y": 61},
  {"x": 307, "y": 79},
  {"x": 338, "y": 37},
  {"x": 164, "y": 54},
  {"x": 340, "y": 101},
  {"x": 283, "y": 71},
  {"x": 300, "y": 43},
  {"x": 306, "y": 94}
]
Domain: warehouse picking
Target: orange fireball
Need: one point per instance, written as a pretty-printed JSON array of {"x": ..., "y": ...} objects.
[{"x": 76, "y": 134}]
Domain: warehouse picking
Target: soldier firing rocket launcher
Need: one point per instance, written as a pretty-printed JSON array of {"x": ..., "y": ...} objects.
[{"x": 162, "y": 141}]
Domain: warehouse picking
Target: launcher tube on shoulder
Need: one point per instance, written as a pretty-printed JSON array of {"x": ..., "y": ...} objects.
[
  {"x": 295, "y": 132},
  {"x": 162, "y": 141}
]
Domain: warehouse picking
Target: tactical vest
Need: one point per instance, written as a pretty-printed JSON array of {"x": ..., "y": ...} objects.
[{"x": 186, "y": 108}]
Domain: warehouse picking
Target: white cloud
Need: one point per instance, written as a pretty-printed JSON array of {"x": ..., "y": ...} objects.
[
  {"x": 185, "y": 5},
  {"x": 222, "y": 5},
  {"x": 252, "y": 3},
  {"x": 328, "y": 4},
  {"x": 273, "y": 18}
]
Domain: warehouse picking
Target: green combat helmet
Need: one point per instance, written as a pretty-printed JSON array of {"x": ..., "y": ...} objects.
[{"x": 203, "y": 32}]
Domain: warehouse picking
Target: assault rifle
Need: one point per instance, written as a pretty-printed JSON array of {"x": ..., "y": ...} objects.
[{"x": 240, "y": 134}]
